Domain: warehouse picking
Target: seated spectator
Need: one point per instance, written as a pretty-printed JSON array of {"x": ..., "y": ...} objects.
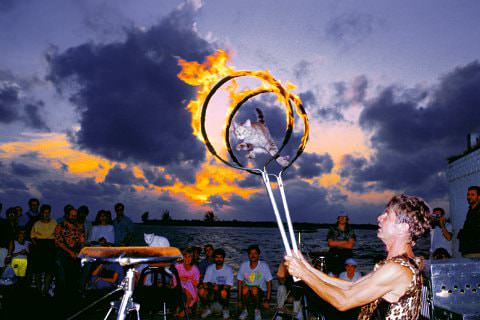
[
  {"x": 209, "y": 259},
  {"x": 189, "y": 279},
  {"x": 285, "y": 283},
  {"x": 19, "y": 251},
  {"x": 7, "y": 275},
  {"x": 216, "y": 285},
  {"x": 350, "y": 274},
  {"x": 102, "y": 232},
  {"x": 440, "y": 253},
  {"x": 43, "y": 249},
  {"x": 254, "y": 283},
  {"x": 196, "y": 255},
  {"x": 106, "y": 276}
]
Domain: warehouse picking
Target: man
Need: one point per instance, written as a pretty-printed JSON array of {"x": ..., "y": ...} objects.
[
  {"x": 123, "y": 226},
  {"x": 69, "y": 240},
  {"x": 441, "y": 234},
  {"x": 394, "y": 287},
  {"x": 254, "y": 283},
  {"x": 21, "y": 218},
  {"x": 216, "y": 285},
  {"x": 469, "y": 244},
  {"x": 83, "y": 212},
  {"x": 33, "y": 212},
  {"x": 209, "y": 259},
  {"x": 340, "y": 239},
  {"x": 285, "y": 288}
]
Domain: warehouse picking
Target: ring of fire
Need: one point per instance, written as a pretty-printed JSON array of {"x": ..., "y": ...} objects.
[{"x": 270, "y": 85}]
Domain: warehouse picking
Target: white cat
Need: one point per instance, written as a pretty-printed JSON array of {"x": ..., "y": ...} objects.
[
  {"x": 257, "y": 139},
  {"x": 155, "y": 241}
]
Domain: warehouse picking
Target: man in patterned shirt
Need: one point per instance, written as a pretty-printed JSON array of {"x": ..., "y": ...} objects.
[
  {"x": 69, "y": 240},
  {"x": 393, "y": 289}
]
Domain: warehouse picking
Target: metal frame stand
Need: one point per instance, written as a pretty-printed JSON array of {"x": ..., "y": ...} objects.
[{"x": 126, "y": 305}]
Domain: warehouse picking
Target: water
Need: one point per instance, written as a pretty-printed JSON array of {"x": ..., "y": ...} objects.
[{"x": 367, "y": 251}]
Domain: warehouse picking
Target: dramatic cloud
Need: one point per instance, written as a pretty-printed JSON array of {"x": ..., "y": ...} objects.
[
  {"x": 24, "y": 170},
  {"x": 412, "y": 135},
  {"x": 350, "y": 29},
  {"x": 311, "y": 165},
  {"x": 158, "y": 178},
  {"x": 117, "y": 175},
  {"x": 16, "y": 106},
  {"x": 322, "y": 113},
  {"x": 130, "y": 101}
]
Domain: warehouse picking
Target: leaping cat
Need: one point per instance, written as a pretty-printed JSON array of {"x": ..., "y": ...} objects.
[{"x": 256, "y": 138}]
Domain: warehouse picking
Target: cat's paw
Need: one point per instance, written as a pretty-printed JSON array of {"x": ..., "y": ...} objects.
[{"x": 251, "y": 155}]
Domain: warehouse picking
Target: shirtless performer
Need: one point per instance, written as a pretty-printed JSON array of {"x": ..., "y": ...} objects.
[{"x": 393, "y": 289}]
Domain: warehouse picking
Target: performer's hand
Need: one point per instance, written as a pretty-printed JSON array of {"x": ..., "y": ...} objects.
[{"x": 295, "y": 265}]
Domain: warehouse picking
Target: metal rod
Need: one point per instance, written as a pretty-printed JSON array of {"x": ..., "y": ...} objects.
[
  {"x": 286, "y": 245},
  {"x": 287, "y": 213},
  {"x": 94, "y": 303}
]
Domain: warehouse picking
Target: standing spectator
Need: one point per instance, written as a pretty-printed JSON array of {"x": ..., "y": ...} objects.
[
  {"x": 216, "y": 285},
  {"x": 33, "y": 212},
  {"x": 69, "y": 239},
  {"x": 83, "y": 212},
  {"x": 189, "y": 279},
  {"x": 341, "y": 239},
  {"x": 43, "y": 250},
  {"x": 468, "y": 235},
  {"x": 8, "y": 228},
  {"x": 102, "y": 233},
  {"x": 21, "y": 218},
  {"x": 123, "y": 226},
  {"x": 441, "y": 233},
  {"x": 254, "y": 283}
]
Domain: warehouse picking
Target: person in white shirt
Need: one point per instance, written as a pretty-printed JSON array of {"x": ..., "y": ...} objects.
[
  {"x": 254, "y": 283},
  {"x": 103, "y": 232},
  {"x": 441, "y": 233},
  {"x": 216, "y": 285},
  {"x": 350, "y": 274}
]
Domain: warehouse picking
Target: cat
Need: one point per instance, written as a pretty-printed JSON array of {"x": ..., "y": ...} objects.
[
  {"x": 257, "y": 139},
  {"x": 155, "y": 241}
]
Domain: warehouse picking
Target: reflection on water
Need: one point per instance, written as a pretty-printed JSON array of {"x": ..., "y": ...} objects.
[{"x": 234, "y": 241}]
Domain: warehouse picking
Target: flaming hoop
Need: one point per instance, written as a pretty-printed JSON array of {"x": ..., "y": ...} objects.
[{"x": 222, "y": 74}]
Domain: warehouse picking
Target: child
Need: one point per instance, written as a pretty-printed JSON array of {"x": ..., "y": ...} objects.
[{"x": 19, "y": 250}]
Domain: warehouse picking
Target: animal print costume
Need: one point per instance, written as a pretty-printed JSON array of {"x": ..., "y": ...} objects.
[{"x": 408, "y": 306}]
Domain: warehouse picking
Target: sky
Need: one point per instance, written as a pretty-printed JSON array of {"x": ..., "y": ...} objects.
[{"x": 92, "y": 110}]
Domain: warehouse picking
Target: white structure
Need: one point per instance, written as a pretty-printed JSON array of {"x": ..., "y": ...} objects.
[{"x": 461, "y": 174}]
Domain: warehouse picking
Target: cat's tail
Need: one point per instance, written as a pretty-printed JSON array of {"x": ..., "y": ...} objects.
[{"x": 260, "y": 117}]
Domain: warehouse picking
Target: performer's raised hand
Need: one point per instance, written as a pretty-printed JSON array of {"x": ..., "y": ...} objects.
[{"x": 296, "y": 265}]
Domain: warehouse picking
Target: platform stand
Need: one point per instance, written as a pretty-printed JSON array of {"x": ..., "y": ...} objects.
[{"x": 126, "y": 305}]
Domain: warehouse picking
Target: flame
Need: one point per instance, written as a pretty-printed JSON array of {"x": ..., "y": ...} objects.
[{"x": 206, "y": 75}]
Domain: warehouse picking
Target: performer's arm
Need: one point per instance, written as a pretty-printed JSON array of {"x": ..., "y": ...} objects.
[{"x": 390, "y": 278}]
